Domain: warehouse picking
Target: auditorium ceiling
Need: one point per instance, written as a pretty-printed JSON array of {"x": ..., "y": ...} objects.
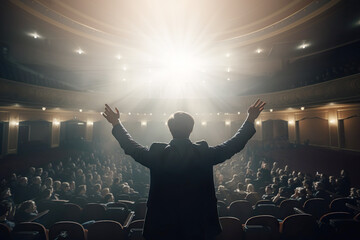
[{"x": 96, "y": 45}]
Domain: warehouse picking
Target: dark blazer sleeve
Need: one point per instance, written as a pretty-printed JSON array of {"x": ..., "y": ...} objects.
[
  {"x": 138, "y": 152},
  {"x": 226, "y": 150}
]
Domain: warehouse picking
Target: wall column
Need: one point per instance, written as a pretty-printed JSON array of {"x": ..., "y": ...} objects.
[
  {"x": 13, "y": 133},
  {"x": 89, "y": 131},
  {"x": 291, "y": 127},
  {"x": 333, "y": 128},
  {"x": 258, "y": 126},
  {"x": 55, "y": 134}
]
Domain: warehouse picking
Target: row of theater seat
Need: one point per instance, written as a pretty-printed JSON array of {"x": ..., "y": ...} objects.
[
  {"x": 335, "y": 225},
  {"x": 317, "y": 207}
]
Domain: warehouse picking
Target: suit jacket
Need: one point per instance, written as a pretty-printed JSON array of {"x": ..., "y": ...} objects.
[{"x": 182, "y": 201}]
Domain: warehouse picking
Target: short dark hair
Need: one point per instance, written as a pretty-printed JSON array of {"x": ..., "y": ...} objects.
[{"x": 181, "y": 124}]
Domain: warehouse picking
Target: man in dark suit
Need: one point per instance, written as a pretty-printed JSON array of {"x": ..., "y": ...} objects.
[{"x": 182, "y": 202}]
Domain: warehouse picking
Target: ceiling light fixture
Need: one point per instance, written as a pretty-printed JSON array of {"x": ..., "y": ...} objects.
[
  {"x": 303, "y": 46},
  {"x": 259, "y": 50},
  {"x": 34, "y": 35},
  {"x": 80, "y": 51}
]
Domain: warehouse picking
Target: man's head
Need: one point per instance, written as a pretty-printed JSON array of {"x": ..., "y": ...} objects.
[{"x": 181, "y": 125}]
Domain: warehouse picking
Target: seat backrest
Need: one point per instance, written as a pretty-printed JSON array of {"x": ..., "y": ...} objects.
[
  {"x": 299, "y": 225},
  {"x": 106, "y": 229},
  {"x": 253, "y": 198},
  {"x": 118, "y": 214},
  {"x": 71, "y": 212},
  {"x": 316, "y": 207},
  {"x": 287, "y": 207},
  {"x": 335, "y": 215},
  {"x": 93, "y": 211},
  {"x": 231, "y": 229},
  {"x": 265, "y": 220},
  {"x": 266, "y": 209},
  {"x": 72, "y": 230},
  {"x": 357, "y": 217},
  {"x": 5, "y": 232},
  {"x": 137, "y": 224},
  {"x": 117, "y": 205},
  {"x": 241, "y": 209},
  {"x": 32, "y": 227},
  {"x": 338, "y": 204},
  {"x": 222, "y": 208},
  {"x": 264, "y": 202},
  {"x": 140, "y": 210}
]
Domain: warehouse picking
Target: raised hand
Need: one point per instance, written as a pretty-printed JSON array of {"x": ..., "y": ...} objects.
[
  {"x": 111, "y": 116},
  {"x": 255, "y": 110}
]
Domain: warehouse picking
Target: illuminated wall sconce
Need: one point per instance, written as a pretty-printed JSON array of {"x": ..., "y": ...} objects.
[
  {"x": 271, "y": 110},
  {"x": 43, "y": 108},
  {"x": 203, "y": 123},
  {"x": 302, "y": 108},
  {"x": 332, "y": 121},
  {"x": 238, "y": 113},
  {"x": 80, "y": 110},
  {"x": 143, "y": 123},
  {"x": 258, "y": 122},
  {"x": 15, "y": 123},
  {"x": 227, "y": 123},
  {"x": 291, "y": 122}
]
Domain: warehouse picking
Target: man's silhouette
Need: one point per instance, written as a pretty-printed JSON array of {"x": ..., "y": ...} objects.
[{"x": 182, "y": 202}]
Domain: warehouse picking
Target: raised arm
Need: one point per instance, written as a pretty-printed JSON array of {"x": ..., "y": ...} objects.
[
  {"x": 130, "y": 146},
  {"x": 226, "y": 150}
]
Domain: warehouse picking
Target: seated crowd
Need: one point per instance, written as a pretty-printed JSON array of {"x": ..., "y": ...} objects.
[
  {"x": 82, "y": 178},
  {"x": 105, "y": 178},
  {"x": 242, "y": 179}
]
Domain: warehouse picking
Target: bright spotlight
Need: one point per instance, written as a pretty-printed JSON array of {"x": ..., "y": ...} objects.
[
  {"x": 303, "y": 45},
  {"x": 203, "y": 123},
  {"x": 34, "y": 35},
  {"x": 227, "y": 123},
  {"x": 271, "y": 110},
  {"x": 143, "y": 123},
  {"x": 258, "y": 122},
  {"x": 79, "y": 51},
  {"x": 43, "y": 108},
  {"x": 259, "y": 50},
  {"x": 80, "y": 110},
  {"x": 302, "y": 108}
]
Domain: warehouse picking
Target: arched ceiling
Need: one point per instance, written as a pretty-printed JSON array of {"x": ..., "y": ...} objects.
[{"x": 137, "y": 30}]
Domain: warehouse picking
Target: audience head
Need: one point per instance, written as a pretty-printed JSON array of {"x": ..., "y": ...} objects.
[
  {"x": 28, "y": 206},
  {"x": 250, "y": 188},
  {"x": 65, "y": 187},
  {"x": 109, "y": 198},
  {"x": 23, "y": 181}
]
